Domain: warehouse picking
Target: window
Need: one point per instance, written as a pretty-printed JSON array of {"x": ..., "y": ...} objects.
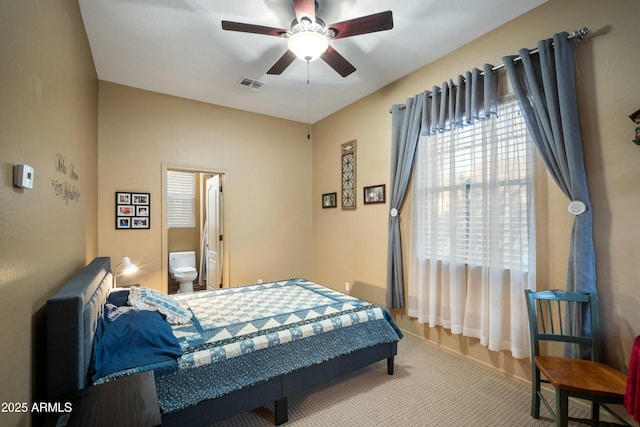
[
  {"x": 472, "y": 248},
  {"x": 473, "y": 192},
  {"x": 181, "y": 199}
]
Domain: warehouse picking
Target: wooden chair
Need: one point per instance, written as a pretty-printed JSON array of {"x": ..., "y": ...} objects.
[{"x": 557, "y": 316}]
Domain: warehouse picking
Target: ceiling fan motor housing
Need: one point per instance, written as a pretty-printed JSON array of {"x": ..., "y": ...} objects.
[{"x": 306, "y": 24}]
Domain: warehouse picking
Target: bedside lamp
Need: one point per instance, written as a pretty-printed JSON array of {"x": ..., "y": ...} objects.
[{"x": 129, "y": 268}]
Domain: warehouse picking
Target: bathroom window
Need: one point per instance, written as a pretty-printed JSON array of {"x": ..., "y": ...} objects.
[{"x": 181, "y": 199}]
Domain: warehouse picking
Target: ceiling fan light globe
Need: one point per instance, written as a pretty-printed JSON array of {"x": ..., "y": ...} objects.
[{"x": 307, "y": 45}]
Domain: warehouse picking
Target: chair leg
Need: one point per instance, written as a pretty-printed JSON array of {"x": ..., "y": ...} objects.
[
  {"x": 562, "y": 408},
  {"x": 595, "y": 411},
  {"x": 535, "y": 389}
]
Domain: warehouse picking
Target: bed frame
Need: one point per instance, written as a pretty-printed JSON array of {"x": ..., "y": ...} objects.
[{"x": 72, "y": 317}]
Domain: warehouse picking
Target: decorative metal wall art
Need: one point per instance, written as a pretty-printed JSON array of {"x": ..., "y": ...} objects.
[{"x": 348, "y": 175}]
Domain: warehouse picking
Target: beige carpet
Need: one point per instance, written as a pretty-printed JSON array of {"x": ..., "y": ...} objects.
[{"x": 430, "y": 387}]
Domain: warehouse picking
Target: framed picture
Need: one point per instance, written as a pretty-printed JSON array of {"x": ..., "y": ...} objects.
[
  {"x": 133, "y": 210},
  {"x": 138, "y": 222},
  {"x": 123, "y": 198},
  {"x": 329, "y": 200},
  {"x": 374, "y": 194},
  {"x": 125, "y": 210},
  {"x": 142, "y": 210},
  {"x": 123, "y": 222},
  {"x": 140, "y": 199}
]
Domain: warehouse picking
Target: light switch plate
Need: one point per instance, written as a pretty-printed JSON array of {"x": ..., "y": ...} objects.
[{"x": 23, "y": 176}]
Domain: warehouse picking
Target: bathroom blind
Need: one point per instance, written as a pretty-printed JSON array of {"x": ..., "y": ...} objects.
[{"x": 181, "y": 199}]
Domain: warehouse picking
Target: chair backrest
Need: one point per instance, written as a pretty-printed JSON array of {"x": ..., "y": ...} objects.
[{"x": 557, "y": 315}]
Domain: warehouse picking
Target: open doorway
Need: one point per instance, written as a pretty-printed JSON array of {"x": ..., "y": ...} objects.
[{"x": 201, "y": 234}]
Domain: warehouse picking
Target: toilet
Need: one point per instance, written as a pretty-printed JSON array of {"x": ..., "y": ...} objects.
[{"x": 182, "y": 266}]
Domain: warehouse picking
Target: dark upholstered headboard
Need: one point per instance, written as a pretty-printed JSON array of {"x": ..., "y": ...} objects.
[{"x": 72, "y": 318}]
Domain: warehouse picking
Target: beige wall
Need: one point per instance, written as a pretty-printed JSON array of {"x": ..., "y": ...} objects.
[
  {"x": 275, "y": 225},
  {"x": 48, "y": 106},
  {"x": 266, "y": 162},
  {"x": 351, "y": 245}
]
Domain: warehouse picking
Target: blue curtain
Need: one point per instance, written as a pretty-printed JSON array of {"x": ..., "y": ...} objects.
[
  {"x": 545, "y": 85},
  {"x": 405, "y": 131},
  {"x": 474, "y": 97}
]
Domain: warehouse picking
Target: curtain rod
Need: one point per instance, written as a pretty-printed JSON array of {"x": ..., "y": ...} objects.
[{"x": 579, "y": 35}]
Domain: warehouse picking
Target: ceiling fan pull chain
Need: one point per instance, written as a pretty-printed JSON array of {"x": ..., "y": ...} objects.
[{"x": 308, "y": 105}]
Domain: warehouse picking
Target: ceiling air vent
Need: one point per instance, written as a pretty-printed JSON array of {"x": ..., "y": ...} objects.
[{"x": 251, "y": 85}]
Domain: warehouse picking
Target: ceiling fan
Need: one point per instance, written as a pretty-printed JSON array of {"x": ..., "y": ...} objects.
[{"x": 308, "y": 37}]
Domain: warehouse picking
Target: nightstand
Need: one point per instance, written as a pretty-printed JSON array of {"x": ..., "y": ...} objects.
[{"x": 129, "y": 401}]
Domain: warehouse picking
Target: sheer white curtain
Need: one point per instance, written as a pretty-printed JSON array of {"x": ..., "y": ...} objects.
[{"x": 472, "y": 230}]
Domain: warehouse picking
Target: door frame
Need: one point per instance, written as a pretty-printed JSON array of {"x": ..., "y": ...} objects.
[
  {"x": 164, "y": 238},
  {"x": 216, "y": 281}
]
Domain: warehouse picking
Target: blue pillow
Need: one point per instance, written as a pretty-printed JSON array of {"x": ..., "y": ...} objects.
[
  {"x": 118, "y": 298},
  {"x": 127, "y": 337}
]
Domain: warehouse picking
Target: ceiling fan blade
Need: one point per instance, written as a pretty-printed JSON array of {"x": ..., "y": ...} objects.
[
  {"x": 282, "y": 63},
  {"x": 337, "y": 62},
  {"x": 250, "y": 28},
  {"x": 365, "y": 24},
  {"x": 305, "y": 8}
]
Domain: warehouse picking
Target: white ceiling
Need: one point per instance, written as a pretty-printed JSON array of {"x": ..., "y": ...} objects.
[{"x": 178, "y": 47}]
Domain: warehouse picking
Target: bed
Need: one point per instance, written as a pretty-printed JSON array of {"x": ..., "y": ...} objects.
[{"x": 226, "y": 367}]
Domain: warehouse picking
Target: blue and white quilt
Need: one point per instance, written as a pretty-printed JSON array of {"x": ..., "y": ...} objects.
[
  {"x": 235, "y": 321},
  {"x": 276, "y": 327}
]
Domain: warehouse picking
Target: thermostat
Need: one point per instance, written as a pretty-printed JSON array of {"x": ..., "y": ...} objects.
[{"x": 23, "y": 176}]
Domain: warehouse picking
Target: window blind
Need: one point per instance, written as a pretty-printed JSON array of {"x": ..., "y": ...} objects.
[
  {"x": 469, "y": 166},
  {"x": 181, "y": 199}
]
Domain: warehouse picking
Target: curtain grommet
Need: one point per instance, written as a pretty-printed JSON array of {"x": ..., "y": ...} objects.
[
  {"x": 394, "y": 212},
  {"x": 577, "y": 207}
]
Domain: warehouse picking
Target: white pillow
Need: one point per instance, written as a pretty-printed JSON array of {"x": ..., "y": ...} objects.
[{"x": 150, "y": 299}]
